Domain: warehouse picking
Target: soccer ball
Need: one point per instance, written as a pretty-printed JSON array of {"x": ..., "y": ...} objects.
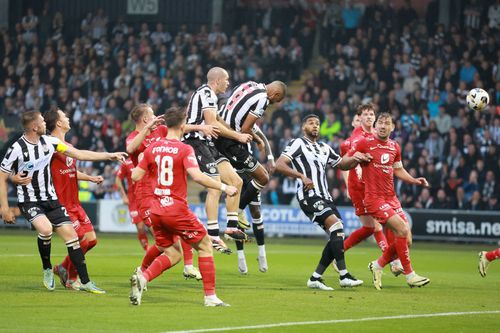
[{"x": 477, "y": 99}]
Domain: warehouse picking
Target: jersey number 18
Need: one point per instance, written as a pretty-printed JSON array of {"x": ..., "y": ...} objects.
[{"x": 165, "y": 165}]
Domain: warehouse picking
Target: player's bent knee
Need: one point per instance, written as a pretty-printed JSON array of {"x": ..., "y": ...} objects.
[{"x": 336, "y": 226}]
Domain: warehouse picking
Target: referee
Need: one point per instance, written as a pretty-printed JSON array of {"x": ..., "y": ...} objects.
[{"x": 29, "y": 159}]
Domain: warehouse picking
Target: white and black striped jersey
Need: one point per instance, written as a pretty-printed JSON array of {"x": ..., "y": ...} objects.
[
  {"x": 33, "y": 160},
  {"x": 203, "y": 98},
  {"x": 311, "y": 159},
  {"x": 248, "y": 98}
]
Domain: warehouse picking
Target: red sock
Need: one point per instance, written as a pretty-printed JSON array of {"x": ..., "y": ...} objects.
[
  {"x": 389, "y": 236},
  {"x": 387, "y": 255},
  {"x": 207, "y": 270},
  {"x": 381, "y": 240},
  {"x": 492, "y": 255},
  {"x": 71, "y": 269},
  {"x": 357, "y": 236},
  {"x": 159, "y": 265},
  {"x": 143, "y": 239},
  {"x": 401, "y": 245},
  {"x": 150, "y": 255},
  {"x": 188, "y": 253}
]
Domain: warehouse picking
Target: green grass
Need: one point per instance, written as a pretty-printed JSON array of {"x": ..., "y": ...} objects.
[{"x": 278, "y": 296}]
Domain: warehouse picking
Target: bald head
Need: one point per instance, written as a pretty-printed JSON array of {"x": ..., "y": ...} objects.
[
  {"x": 218, "y": 79},
  {"x": 276, "y": 91}
]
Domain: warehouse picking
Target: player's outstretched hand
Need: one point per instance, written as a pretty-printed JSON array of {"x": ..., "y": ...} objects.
[
  {"x": 96, "y": 179},
  {"x": 120, "y": 157},
  {"x": 19, "y": 179},
  {"x": 308, "y": 184},
  {"x": 231, "y": 190},
  {"x": 8, "y": 216},
  {"x": 155, "y": 122},
  {"x": 210, "y": 130},
  {"x": 245, "y": 138},
  {"x": 422, "y": 182}
]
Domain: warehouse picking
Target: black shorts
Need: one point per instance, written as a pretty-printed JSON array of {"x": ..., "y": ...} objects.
[
  {"x": 53, "y": 210},
  {"x": 208, "y": 156},
  {"x": 318, "y": 209},
  {"x": 237, "y": 153}
]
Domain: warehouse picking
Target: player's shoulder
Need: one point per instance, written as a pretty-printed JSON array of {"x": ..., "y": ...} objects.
[
  {"x": 131, "y": 136},
  {"x": 49, "y": 139}
]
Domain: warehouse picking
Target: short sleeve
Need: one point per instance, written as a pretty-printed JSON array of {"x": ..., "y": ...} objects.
[
  {"x": 261, "y": 106},
  {"x": 146, "y": 157},
  {"x": 360, "y": 146},
  {"x": 58, "y": 145},
  {"x": 208, "y": 99},
  {"x": 189, "y": 160},
  {"x": 345, "y": 146},
  {"x": 293, "y": 149},
  {"x": 333, "y": 157},
  {"x": 122, "y": 171},
  {"x": 10, "y": 160},
  {"x": 398, "y": 164}
]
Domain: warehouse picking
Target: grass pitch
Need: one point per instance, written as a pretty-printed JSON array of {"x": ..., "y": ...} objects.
[{"x": 276, "y": 297}]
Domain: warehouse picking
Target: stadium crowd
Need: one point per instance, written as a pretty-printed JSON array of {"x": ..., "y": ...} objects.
[{"x": 419, "y": 70}]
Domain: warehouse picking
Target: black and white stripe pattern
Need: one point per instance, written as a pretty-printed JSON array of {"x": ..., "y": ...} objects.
[
  {"x": 311, "y": 159},
  {"x": 203, "y": 98},
  {"x": 34, "y": 160},
  {"x": 248, "y": 98}
]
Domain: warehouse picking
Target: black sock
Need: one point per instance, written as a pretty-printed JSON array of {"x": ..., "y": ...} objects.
[
  {"x": 232, "y": 220},
  {"x": 337, "y": 247},
  {"x": 258, "y": 230},
  {"x": 250, "y": 194},
  {"x": 324, "y": 262},
  {"x": 78, "y": 259},
  {"x": 44, "y": 245},
  {"x": 213, "y": 228},
  {"x": 240, "y": 245}
]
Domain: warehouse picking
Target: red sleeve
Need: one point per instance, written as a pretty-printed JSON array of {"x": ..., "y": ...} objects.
[
  {"x": 163, "y": 130},
  {"x": 130, "y": 137},
  {"x": 189, "y": 160},
  {"x": 397, "y": 158},
  {"x": 122, "y": 171},
  {"x": 360, "y": 146},
  {"x": 344, "y": 147},
  {"x": 146, "y": 158}
]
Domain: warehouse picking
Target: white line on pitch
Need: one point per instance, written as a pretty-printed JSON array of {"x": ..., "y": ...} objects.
[{"x": 337, "y": 321}]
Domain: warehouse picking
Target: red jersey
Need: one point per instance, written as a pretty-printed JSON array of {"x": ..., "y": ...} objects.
[
  {"x": 143, "y": 188},
  {"x": 378, "y": 175},
  {"x": 63, "y": 171},
  {"x": 125, "y": 172},
  {"x": 355, "y": 182},
  {"x": 169, "y": 160}
]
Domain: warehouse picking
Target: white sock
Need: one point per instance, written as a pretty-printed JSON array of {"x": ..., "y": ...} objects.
[
  {"x": 262, "y": 250},
  {"x": 212, "y": 297},
  {"x": 316, "y": 275},
  {"x": 188, "y": 266},
  {"x": 396, "y": 262},
  {"x": 342, "y": 272},
  {"x": 409, "y": 276},
  {"x": 376, "y": 265},
  {"x": 241, "y": 254}
]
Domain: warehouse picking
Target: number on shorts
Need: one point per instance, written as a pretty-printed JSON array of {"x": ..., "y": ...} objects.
[
  {"x": 165, "y": 165},
  {"x": 64, "y": 211}
]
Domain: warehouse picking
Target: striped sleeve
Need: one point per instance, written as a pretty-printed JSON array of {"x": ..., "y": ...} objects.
[
  {"x": 333, "y": 157},
  {"x": 208, "y": 99},
  {"x": 10, "y": 159},
  {"x": 58, "y": 145},
  {"x": 293, "y": 149},
  {"x": 261, "y": 106}
]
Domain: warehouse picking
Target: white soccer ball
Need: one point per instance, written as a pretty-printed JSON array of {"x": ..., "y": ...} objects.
[{"x": 477, "y": 99}]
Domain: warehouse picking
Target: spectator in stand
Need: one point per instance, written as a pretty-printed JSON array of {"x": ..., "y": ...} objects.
[{"x": 441, "y": 201}]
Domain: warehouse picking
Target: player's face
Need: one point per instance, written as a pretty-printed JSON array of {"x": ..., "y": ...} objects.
[
  {"x": 64, "y": 121},
  {"x": 148, "y": 116},
  {"x": 223, "y": 83},
  {"x": 356, "y": 121},
  {"x": 384, "y": 127},
  {"x": 311, "y": 128},
  {"x": 367, "y": 118},
  {"x": 39, "y": 125}
]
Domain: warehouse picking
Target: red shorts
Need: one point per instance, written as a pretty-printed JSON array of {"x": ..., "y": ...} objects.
[
  {"x": 381, "y": 209},
  {"x": 80, "y": 220},
  {"x": 357, "y": 198},
  {"x": 144, "y": 212},
  {"x": 170, "y": 225}
]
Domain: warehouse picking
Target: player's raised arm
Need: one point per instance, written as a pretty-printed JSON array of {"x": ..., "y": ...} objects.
[{"x": 133, "y": 144}]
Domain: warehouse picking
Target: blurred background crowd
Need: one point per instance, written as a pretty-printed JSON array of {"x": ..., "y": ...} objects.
[{"x": 334, "y": 55}]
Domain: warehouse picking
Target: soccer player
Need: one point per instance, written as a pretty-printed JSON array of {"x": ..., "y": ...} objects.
[
  {"x": 65, "y": 177},
  {"x": 202, "y": 109},
  {"x": 485, "y": 258},
  {"x": 129, "y": 199},
  {"x": 380, "y": 198},
  {"x": 356, "y": 188},
  {"x": 37, "y": 199},
  {"x": 255, "y": 212},
  {"x": 246, "y": 104},
  {"x": 309, "y": 160},
  {"x": 149, "y": 129},
  {"x": 171, "y": 161}
]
